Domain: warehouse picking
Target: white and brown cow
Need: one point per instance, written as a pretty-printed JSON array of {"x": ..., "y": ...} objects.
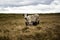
[{"x": 31, "y": 19}]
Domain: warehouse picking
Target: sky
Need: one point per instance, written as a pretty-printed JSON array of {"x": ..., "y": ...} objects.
[{"x": 29, "y": 6}]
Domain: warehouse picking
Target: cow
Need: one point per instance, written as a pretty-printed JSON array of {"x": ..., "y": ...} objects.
[{"x": 31, "y": 19}]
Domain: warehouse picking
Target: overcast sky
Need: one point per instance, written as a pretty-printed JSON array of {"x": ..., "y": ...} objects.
[{"x": 29, "y": 6}]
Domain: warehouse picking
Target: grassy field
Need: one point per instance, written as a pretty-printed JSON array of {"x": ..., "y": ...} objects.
[{"x": 12, "y": 27}]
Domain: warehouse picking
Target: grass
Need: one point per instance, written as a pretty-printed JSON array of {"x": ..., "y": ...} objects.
[{"x": 12, "y": 27}]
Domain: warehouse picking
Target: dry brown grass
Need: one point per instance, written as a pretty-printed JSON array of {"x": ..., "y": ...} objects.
[{"x": 12, "y": 27}]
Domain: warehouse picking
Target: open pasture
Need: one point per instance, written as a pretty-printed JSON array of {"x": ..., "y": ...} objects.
[{"x": 12, "y": 27}]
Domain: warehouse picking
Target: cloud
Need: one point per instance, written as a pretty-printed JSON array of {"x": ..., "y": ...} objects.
[
  {"x": 29, "y": 6},
  {"x": 33, "y": 9},
  {"x": 56, "y": 2},
  {"x": 17, "y": 3}
]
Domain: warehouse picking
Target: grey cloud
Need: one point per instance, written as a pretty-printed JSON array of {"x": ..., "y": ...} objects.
[
  {"x": 3, "y": 9},
  {"x": 17, "y": 3},
  {"x": 46, "y": 2}
]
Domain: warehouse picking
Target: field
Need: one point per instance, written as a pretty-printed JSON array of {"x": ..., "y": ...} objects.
[{"x": 12, "y": 27}]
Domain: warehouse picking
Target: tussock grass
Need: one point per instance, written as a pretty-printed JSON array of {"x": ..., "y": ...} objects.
[{"x": 12, "y": 27}]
